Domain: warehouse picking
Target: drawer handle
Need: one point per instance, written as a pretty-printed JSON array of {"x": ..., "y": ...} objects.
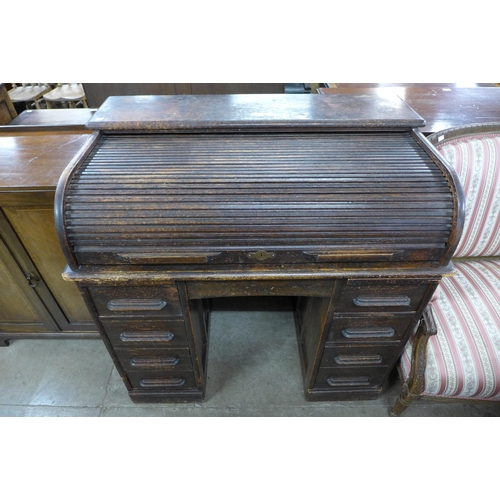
[
  {"x": 146, "y": 337},
  {"x": 353, "y": 255},
  {"x": 348, "y": 382},
  {"x": 136, "y": 305},
  {"x": 162, "y": 382},
  {"x": 374, "y": 359},
  {"x": 153, "y": 362},
  {"x": 367, "y": 333},
  {"x": 381, "y": 301},
  {"x": 169, "y": 258}
]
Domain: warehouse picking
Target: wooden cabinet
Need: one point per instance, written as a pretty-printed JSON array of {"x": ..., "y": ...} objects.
[{"x": 35, "y": 301}]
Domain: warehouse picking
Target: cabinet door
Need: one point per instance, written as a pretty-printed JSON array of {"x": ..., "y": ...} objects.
[
  {"x": 21, "y": 309},
  {"x": 34, "y": 227}
]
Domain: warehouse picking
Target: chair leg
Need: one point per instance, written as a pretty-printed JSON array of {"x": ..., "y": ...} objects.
[
  {"x": 413, "y": 387},
  {"x": 404, "y": 400}
]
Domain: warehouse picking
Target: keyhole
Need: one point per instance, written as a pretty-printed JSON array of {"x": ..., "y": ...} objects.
[{"x": 261, "y": 255}]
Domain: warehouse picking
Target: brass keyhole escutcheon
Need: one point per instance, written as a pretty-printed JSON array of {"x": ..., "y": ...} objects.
[{"x": 261, "y": 255}]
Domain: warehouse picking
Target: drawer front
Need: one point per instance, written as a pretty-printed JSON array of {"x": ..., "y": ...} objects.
[
  {"x": 133, "y": 300},
  {"x": 248, "y": 288},
  {"x": 358, "y": 357},
  {"x": 150, "y": 360},
  {"x": 369, "y": 328},
  {"x": 160, "y": 380},
  {"x": 351, "y": 378},
  {"x": 370, "y": 295},
  {"x": 134, "y": 333}
]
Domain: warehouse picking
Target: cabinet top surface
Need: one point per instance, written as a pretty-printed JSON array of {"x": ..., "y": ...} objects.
[
  {"x": 53, "y": 117},
  {"x": 249, "y": 111},
  {"x": 36, "y": 160}
]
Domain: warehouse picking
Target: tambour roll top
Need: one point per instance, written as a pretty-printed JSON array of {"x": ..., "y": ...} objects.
[{"x": 258, "y": 180}]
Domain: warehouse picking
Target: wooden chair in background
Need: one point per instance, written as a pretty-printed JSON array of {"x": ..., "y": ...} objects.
[
  {"x": 7, "y": 110},
  {"x": 66, "y": 94},
  {"x": 28, "y": 93}
]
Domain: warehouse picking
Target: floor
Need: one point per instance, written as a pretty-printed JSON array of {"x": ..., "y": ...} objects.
[
  {"x": 458, "y": 85},
  {"x": 253, "y": 372}
]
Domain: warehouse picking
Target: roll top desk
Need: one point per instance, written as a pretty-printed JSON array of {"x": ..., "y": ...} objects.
[{"x": 336, "y": 201}]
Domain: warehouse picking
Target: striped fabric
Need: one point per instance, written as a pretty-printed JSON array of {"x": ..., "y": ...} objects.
[
  {"x": 476, "y": 159},
  {"x": 463, "y": 359}
]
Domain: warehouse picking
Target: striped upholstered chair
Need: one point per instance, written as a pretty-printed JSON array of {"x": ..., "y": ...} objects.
[{"x": 455, "y": 353}]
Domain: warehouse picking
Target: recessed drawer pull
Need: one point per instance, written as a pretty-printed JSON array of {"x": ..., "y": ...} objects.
[
  {"x": 382, "y": 301},
  {"x": 353, "y": 255},
  {"x": 367, "y": 333},
  {"x": 168, "y": 258},
  {"x": 162, "y": 382},
  {"x": 348, "y": 382},
  {"x": 153, "y": 362},
  {"x": 146, "y": 336},
  {"x": 358, "y": 360},
  {"x": 136, "y": 305}
]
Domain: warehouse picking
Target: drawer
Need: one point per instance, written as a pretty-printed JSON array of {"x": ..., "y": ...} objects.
[
  {"x": 161, "y": 380},
  {"x": 249, "y": 288},
  {"x": 358, "y": 356},
  {"x": 147, "y": 359},
  {"x": 369, "y": 328},
  {"x": 350, "y": 378},
  {"x": 133, "y": 333},
  {"x": 136, "y": 301},
  {"x": 373, "y": 295}
]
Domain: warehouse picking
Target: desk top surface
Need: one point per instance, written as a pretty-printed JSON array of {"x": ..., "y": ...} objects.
[
  {"x": 250, "y": 112},
  {"x": 441, "y": 107}
]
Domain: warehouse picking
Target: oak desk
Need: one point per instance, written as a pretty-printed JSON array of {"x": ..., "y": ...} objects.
[{"x": 336, "y": 201}]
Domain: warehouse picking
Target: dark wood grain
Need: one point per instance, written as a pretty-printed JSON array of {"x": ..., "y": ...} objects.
[
  {"x": 335, "y": 201},
  {"x": 219, "y": 112},
  {"x": 73, "y": 117},
  {"x": 441, "y": 107},
  {"x": 246, "y": 198}
]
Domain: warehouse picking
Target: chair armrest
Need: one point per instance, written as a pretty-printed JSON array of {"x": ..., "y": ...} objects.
[
  {"x": 413, "y": 386},
  {"x": 427, "y": 322},
  {"x": 425, "y": 329}
]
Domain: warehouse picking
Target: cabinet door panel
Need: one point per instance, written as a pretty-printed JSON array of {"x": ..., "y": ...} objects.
[
  {"x": 20, "y": 308},
  {"x": 36, "y": 230}
]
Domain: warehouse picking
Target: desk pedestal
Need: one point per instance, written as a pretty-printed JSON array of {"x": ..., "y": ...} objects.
[{"x": 350, "y": 330}]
